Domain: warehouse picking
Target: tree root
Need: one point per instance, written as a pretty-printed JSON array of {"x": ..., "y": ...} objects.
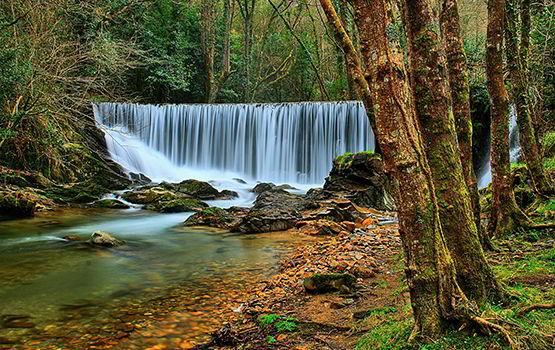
[
  {"x": 527, "y": 309},
  {"x": 487, "y": 326}
]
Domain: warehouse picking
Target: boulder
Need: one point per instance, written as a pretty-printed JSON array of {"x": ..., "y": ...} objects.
[
  {"x": 263, "y": 187},
  {"x": 104, "y": 239},
  {"x": 227, "y": 219},
  {"x": 148, "y": 195},
  {"x": 110, "y": 203},
  {"x": 329, "y": 282},
  {"x": 202, "y": 190},
  {"x": 359, "y": 177},
  {"x": 274, "y": 210},
  {"x": 177, "y": 205},
  {"x": 139, "y": 179},
  {"x": 268, "y": 186},
  {"x": 16, "y": 204}
]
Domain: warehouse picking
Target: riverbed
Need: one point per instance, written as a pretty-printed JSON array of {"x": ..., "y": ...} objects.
[{"x": 167, "y": 284}]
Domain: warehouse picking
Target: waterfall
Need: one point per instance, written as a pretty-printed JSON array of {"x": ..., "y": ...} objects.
[
  {"x": 287, "y": 142},
  {"x": 484, "y": 173}
]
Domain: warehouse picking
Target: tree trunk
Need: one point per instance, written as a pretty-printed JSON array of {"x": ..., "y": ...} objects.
[
  {"x": 436, "y": 298},
  {"x": 207, "y": 40},
  {"x": 505, "y": 214},
  {"x": 352, "y": 59},
  {"x": 432, "y": 104},
  {"x": 460, "y": 100},
  {"x": 542, "y": 184}
]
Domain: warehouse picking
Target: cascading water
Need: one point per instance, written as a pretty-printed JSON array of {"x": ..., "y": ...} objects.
[
  {"x": 484, "y": 174},
  {"x": 288, "y": 142}
]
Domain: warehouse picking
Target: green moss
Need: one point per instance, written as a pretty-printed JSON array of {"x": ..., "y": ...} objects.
[
  {"x": 548, "y": 143},
  {"x": 347, "y": 158},
  {"x": 110, "y": 204},
  {"x": 177, "y": 205}
]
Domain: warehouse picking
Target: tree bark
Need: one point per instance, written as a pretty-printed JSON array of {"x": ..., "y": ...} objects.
[
  {"x": 460, "y": 100},
  {"x": 354, "y": 65},
  {"x": 436, "y": 298},
  {"x": 505, "y": 214},
  {"x": 208, "y": 42},
  {"x": 516, "y": 58},
  {"x": 432, "y": 101}
]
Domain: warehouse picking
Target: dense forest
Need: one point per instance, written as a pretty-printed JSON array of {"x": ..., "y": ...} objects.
[{"x": 432, "y": 228}]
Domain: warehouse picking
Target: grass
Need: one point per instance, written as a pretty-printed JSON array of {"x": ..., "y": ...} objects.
[{"x": 390, "y": 327}]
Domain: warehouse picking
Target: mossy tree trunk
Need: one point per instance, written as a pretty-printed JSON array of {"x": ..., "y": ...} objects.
[
  {"x": 436, "y": 297},
  {"x": 516, "y": 61},
  {"x": 352, "y": 59},
  {"x": 460, "y": 101},
  {"x": 506, "y": 216},
  {"x": 432, "y": 102},
  {"x": 208, "y": 43}
]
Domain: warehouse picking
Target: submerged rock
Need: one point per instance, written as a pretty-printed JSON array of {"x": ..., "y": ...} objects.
[
  {"x": 361, "y": 178},
  {"x": 110, "y": 203},
  {"x": 177, "y": 205},
  {"x": 274, "y": 210},
  {"x": 105, "y": 239},
  {"x": 329, "y": 282}
]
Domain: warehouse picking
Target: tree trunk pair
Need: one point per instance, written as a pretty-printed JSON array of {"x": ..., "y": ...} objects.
[{"x": 431, "y": 273}]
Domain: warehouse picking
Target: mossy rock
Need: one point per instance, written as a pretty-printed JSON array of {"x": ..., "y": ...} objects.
[
  {"x": 150, "y": 195},
  {"x": 178, "y": 205},
  {"x": 217, "y": 217},
  {"x": 110, "y": 203},
  {"x": 15, "y": 204},
  {"x": 329, "y": 282}
]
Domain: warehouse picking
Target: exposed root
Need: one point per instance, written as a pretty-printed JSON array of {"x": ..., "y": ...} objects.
[
  {"x": 488, "y": 326},
  {"x": 543, "y": 226},
  {"x": 527, "y": 309}
]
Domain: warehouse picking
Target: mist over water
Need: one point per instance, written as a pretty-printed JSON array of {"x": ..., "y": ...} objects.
[{"x": 283, "y": 143}]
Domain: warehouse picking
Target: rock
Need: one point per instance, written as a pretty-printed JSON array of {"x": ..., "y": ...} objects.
[
  {"x": 148, "y": 195},
  {"x": 331, "y": 282},
  {"x": 359, "y": 177},
  {"x": 268, "y": 186},
  {"x": 202, "y": 190},
  {"x": 241, "y": 181},
  {"x": 139, "y": 179},
  {"x": 263, "y": 187},
  {"x": 177, "y": 205},
  {"x": 275, "y": 210},
  {"x": 216, "y": 217},
  {"x": 105, "y": 239},
  {"x": 16, "y": 204},
  {"x": 110, "y": 203}
]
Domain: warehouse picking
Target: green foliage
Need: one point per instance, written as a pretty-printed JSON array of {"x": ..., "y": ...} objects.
[
  {"x": 271, "y": 339},
  {"x": 280, "y": 323},
  {"x": 286, "y": 325},
  {"x": 548, "y": 143},
  {"x": 266, "y": 320}
]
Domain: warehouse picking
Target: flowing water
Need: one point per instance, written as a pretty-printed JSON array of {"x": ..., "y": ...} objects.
[
  {"x": 285, "y": 143},
  {"x": 484, "y": 173},
  {"x": 51, "y": 288}
]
